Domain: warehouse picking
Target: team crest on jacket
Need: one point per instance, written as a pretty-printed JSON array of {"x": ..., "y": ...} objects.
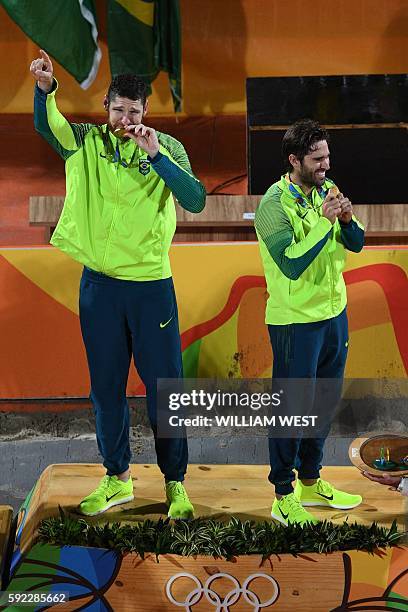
[{"x": 144, "y": 166}]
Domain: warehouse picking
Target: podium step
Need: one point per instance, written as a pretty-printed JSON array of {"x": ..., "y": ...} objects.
[
  {"x": 217, "y": 491},
  {"x": 98, "y": 578}
]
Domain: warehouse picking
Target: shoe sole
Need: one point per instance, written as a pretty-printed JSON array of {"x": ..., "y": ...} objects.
[
  {"x": 279, "y": 519},
  {"x": 335, "y": 506},
  {"x": 283, "y": 522},
  {"x": 114, "y": 503}
]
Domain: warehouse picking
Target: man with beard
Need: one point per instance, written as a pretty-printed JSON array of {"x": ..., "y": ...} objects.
[
  {"x": 304, "y": 226},
  {"x": 118, "y": 221}
]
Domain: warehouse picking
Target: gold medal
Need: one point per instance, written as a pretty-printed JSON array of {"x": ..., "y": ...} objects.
[{"x": 120, "y": 132}]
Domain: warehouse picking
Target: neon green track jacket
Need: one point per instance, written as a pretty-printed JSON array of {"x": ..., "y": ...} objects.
[
  {"x": 303, "y": 254},
  {"x": 119, "y": 216}
]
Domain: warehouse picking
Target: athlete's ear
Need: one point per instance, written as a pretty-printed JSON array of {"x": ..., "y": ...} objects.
[
  {"x": 293, "y": 160},
  {"x": 145, "y": 108},
  {"x": 106, "y": 102}
]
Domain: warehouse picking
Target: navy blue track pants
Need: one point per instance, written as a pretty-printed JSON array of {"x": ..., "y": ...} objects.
[
  {"x": 119, "y": 319},
  {"x": 305, "y": 350}
]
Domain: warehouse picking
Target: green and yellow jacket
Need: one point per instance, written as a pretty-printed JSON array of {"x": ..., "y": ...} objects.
[
  {"x": 119, "y": 216},
  {"x": 303, "y": 254}
]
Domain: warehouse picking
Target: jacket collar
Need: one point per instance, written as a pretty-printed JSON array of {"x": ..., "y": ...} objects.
[{"x": 297, "y": 194}]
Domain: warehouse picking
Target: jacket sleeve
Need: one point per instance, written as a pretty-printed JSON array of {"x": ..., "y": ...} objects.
[
  {"x": 63, "y": 136},
  {"x": 274, "y": 228},
  {"x": 178, "y": 176},
  {"x": 352, "y": 235}
]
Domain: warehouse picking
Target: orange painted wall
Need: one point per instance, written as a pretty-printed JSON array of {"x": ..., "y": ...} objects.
[
  {"x": 224, "y": 41},
  {"x": 223, "y": 333}
]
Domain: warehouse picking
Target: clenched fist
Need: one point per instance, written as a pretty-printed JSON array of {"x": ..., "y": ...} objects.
[
  {"x": 42, "y": 71},
  {"x": 346, "y": 209},
  {"x": 331, "y": 208}
]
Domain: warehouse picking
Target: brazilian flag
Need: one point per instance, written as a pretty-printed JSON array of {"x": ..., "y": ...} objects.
[
  {"x": 66, "y": 29},
  {"x": 144, "y": 38}
]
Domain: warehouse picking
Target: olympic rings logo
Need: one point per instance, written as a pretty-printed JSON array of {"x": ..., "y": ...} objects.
[{"x": 222, "y": 604}]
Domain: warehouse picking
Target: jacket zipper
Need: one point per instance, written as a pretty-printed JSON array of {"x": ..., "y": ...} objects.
[
  {"x": 112, "y": 224},
  {"x": 331, "y": 283},
  {"x": 331, "y": 278}
]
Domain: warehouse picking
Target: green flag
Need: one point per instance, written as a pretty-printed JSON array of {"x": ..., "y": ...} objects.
[
  {"x": 66, "y": 29},
  {"x": 144, "y": 37}
]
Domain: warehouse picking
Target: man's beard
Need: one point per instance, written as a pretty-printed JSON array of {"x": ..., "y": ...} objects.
[{"x": 309, "y": 178}]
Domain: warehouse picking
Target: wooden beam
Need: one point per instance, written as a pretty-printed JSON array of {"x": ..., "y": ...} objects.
[
  {"x": 230, "y": 218},
  {"x": 333, "y": 126}
]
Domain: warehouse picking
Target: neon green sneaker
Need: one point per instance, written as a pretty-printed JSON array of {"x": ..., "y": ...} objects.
[
  {"x": 110, "y": 492},
  {"x": 288, "y": 509},
  {"x": 324, "y": 494},
  {"x": 180, "y": 507}
]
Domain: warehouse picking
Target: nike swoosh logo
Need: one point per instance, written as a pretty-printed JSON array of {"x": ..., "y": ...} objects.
[
  {"x": 285, "y": 516},
  {"x": 329, "y": 497},
  {"x": 165, "y": 324},
  {"x": 109, "y": 498}
]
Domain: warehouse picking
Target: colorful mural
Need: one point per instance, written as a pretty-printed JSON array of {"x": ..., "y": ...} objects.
[
  {"x": 98, "y": 579},
  {"x": 221, "y": 295}
]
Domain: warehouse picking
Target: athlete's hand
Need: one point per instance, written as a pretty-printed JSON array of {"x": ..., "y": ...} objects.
[
  {"x": 145, "y": 137},
  {"x": 331, "y": 207},
  {"x": 346, "y": 209},
  {"x": 384, "y": 479},
  {"x": 42, "y": 71}
]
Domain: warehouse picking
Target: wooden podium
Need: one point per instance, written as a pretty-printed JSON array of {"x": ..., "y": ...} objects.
[{"x": 104, "y": 579}]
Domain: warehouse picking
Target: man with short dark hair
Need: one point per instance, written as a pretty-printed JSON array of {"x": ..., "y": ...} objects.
[
  {"x": 118, "y": 221},
  {"x": 304, "y": 225}
]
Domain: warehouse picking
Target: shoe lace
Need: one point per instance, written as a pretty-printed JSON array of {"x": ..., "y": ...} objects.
[
  {"x": 176, "y": 489},
  {"x": 293, "y": 505},
  {"x": 104, "y": 484}
]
